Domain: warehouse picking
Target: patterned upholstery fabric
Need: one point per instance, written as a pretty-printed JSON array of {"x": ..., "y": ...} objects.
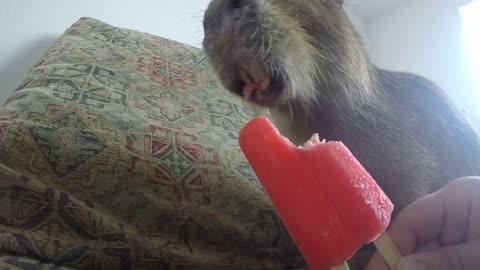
[{"x": 119, "y": 151}]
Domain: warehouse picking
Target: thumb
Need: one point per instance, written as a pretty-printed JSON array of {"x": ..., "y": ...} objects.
[{"x": 461, "y": 257}]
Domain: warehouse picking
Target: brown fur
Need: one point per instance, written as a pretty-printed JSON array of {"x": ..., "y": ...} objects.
[{"x": 400, "y": 126}]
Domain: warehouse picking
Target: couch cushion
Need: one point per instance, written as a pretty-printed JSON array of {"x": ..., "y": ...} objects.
[{"x": 119, "y": 151}]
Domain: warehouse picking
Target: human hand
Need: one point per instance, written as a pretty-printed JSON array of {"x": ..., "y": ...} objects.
[{"x": 440, "y": 231}]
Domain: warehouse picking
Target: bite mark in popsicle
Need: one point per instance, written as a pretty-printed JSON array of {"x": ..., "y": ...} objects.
[{"x": 328, "y": 202}]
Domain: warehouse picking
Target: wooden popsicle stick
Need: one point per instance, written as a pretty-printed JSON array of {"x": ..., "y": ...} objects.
[
  {"x": 343, "y": 266},
  {"x": 389, "y": 251}
]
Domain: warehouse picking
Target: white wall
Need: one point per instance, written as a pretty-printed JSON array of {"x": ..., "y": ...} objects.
[
  {"x": 29, "y": 27},
  {"x": 426, "y": 37}
]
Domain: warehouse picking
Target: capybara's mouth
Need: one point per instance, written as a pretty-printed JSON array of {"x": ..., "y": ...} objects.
[
  {"x": 246, "y": 57},
  {"x": 263, "y": 88}
]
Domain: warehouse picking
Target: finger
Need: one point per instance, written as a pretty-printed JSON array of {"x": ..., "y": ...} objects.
[
  {"x": 472, "y": 185},
  {"x": 418, "y": 224},
  {"x": 419, "y": 227},
  {"x": 459, "y": 216},
  {"x": 429, "y": 247},
  {"x": 410, "y": 223},
  {"x": 460, "y": 257},
  {"x": 445, "y": 215}
]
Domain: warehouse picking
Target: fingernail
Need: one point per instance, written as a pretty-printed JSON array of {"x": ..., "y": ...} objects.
[{"x": 411, "y": 265}]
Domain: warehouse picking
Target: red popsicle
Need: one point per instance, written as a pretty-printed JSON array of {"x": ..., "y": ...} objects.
[{"x": 328, "y": 202}]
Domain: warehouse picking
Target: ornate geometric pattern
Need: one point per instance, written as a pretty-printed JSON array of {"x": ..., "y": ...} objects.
[
  {"x": 85, "y": 84},
  {"x": 119, "y": 151},
  {"x": 103, "y": 54},
  {"x": 27, "y": 207},
  {"x": 169, "y": 105},
  {"x": 167, "y": 74},
  {"x": 175, "y": 159},
  {"x": 66, "y": 148},
  {"x": 67, "y": 145},
  {"x": 245, "y": 170},
  {"x": 226, "y": 115},
  {"x": 6, "y": 118}
]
